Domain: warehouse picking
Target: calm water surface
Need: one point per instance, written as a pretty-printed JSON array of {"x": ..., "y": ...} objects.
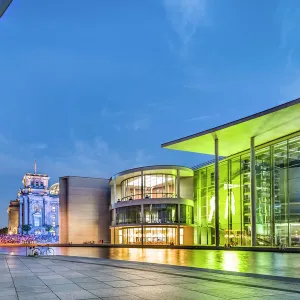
[{"x": 283, "y": 264}]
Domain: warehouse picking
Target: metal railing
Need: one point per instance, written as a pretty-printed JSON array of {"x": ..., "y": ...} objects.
[{"x": 148, "y": 196}]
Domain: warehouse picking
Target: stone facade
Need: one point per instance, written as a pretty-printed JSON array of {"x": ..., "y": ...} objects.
[
  {"x": 38, "y": 205},
  {"x": 84, "y": 210}
]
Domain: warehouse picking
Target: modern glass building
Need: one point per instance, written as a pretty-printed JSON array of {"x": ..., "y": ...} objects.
[
  {"x": 152, "y": 205},
  {"x": 250, "y": 193}
]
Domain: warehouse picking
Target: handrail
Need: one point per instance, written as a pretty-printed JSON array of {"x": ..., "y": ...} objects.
[{"x": 147, "y": 196}]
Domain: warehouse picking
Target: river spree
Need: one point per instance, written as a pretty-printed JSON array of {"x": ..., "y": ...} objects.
[{"x": 281, "y": 264}]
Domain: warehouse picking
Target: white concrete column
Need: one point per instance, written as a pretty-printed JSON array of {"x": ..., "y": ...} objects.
[
  {"x": 217, "y": 231},
  {"x": 26, "y": 200},
  {"x": 56, "y": 214},
  {"x": 114, "y": 223},
  {"x": 142, "y": 185},
  {"x": 115, "y": 191},
  {"x": 142, "y": 225},
  {"x": 178, "y": 183},
  {"x": 21, "y": 215},
  {"x": 253, "y": 191},
  {"x": 178, "y": 225},
  {"x": 44, "y": 213}
]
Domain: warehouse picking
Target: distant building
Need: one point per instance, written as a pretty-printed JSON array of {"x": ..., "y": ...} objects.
[
  {"x": 37, "y": 205},
  {"x": 13, "y": 217}
]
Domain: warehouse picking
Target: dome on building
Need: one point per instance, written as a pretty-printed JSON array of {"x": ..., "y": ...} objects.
[{"x": 54, "y": 189}]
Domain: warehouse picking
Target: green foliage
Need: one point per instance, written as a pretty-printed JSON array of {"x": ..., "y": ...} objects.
[
  {"x": 48, "y": 228},
  {"x": 4, "y": 230},
  {"x": 26, "y": 228}
]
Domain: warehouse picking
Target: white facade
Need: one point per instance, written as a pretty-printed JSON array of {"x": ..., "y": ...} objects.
[{"x": 39, "y": 205}]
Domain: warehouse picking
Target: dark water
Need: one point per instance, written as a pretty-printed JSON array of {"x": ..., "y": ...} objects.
[{"x": 283, "y": 264}]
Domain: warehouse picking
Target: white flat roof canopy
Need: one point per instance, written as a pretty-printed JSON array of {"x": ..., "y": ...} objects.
[
  {"x": 234, "y": 137},
  {"x": 4, "y": 4}
]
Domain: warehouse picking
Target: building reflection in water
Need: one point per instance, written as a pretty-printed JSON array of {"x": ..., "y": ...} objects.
[
  {"x": 281, "y": 264},
  {"x": 231, "y": 261}
]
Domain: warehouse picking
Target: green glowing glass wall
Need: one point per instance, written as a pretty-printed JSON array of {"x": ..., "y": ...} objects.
[
  {"x": 234, "y": 203},
  {"x": 278, "y": 194},
  {"x": 277, "y": 176}
]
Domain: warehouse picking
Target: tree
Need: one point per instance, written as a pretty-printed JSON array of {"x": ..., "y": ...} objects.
[
  {"x": 26, "y": 228},
  {"x": 48, "y": 228},
  {"x": 4, "y": 230}
]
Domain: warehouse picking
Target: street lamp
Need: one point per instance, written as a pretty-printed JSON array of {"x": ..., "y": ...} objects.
[{"x": 4, "y": 4}]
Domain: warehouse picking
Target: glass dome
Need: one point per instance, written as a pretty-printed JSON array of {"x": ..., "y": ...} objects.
[{"x": 54, "y": 189}]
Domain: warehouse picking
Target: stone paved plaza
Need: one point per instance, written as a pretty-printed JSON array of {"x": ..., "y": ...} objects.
[{"x": 87, "y": 278}]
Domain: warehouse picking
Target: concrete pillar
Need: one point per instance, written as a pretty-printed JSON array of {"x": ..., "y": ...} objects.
[
  {"x": 26, "y": 210},
  {"x": 178, "y": 183},
  {"x": 43, "y": 214},
  {"x": 114, "y": 223},
  {"x": 142, "y": 185},
  {"x": 115, "y": 191},
  {"x": 217, "y": 229},
  {"x": 253, "y": 191},
  {"x": 57, "y": 214},
  {"x": 142, "y": 225},
  {"x": 178, "y": 226},
  {"x": 20, "y": 216}
]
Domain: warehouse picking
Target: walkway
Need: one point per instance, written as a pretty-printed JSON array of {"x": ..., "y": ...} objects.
[{"x": 89, "y": 278}]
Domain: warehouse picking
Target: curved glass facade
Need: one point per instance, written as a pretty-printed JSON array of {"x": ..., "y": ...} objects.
[
  {"x": 160, "y": 213},
  {"x": 151, "y": 235},
  {"x": 148, "y": 186},
  {"x": 128, "y": 215},
  {"x": 155, "y": 214}
]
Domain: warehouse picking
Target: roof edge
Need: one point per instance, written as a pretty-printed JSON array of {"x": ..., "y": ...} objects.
[
  {"x": 146, "y": 168},
  {"x": 244, "y": 119}
]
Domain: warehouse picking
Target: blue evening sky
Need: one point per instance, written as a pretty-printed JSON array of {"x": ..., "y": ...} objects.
[{"x": 91, "y": 88}]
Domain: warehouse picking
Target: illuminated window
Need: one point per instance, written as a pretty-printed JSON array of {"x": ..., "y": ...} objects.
[
  {"x": 37, "y": 221},
  {"x": 181, "y": 236},
  {"x": 53, "y": 223},
  {"x": 121, "y": 236},
  {"x": 154, "y": 186},
  {"x": 53, "y": 208}
]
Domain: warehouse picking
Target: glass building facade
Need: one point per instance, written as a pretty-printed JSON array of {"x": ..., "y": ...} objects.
[
  {"x": 277, "y": 197},
  {"x": 153, "y": 205},
  {"x": 148, "y": 186}
]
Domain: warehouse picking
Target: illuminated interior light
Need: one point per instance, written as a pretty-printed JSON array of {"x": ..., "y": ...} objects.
[
  {"x": 151, "y": 180},
  {"x": 232, "y": 203},
  {"x": 226, "y": 208},
  {"x": 212, "y": 208}
]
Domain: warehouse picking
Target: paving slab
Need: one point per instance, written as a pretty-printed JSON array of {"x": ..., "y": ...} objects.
[{"x": 75, "y": 278}]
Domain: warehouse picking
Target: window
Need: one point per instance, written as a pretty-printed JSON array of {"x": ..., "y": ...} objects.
[
  {"x": 186, "y": 214},
  {"x": 53, "y": 224},
  {"x": 37, "y": 221},
  {"x": 128, "y": 215},
  {"x": 154, "y": 186},
  {"x": 53, "y": 208},
  {"x": 160, "y": 213},
  {"x": 181, "y": 236}
]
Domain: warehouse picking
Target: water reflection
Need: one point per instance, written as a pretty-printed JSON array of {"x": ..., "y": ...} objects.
[{"x": 283, "y": 264}]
